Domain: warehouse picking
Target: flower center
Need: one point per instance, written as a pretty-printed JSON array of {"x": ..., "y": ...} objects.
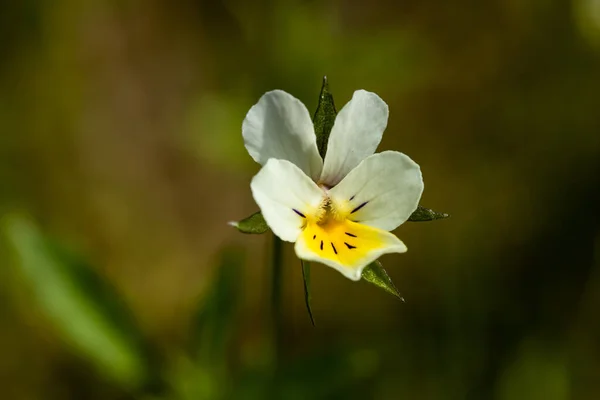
[
  {"x": 331, "y": 233},
  {"x": 328, "y": 213}
]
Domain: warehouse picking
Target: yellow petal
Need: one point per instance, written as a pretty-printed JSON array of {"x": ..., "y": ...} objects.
[{"x": 345, "y": 245}]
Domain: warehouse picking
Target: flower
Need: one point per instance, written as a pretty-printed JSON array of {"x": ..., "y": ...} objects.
[{"x": 338, "y": 211}]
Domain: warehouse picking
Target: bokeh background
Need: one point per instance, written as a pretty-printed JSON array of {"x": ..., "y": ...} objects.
[{"x": 121, "y": 160}]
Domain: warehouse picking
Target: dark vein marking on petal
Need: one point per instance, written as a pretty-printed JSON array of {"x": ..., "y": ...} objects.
[
  {"x": 352, "y": 198},
  {"x": 321, "y": 245},
  {"x": 299, "y": 213},
  {"x": 314, "y": 237},
  {"x": 356, "y": 209},
  {"x": 349, "y": 246},
  {"x": 334, "y": 249},
  {"x": 349, "y": 234}
]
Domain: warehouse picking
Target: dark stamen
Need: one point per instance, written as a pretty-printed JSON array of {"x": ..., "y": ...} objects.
[
  {"x": 349, "y": 234},
  {"x": 349, "y": 246},
  {"x": 299, "y": 213},
  {"x": 334, "y": 250},
  {"x": 321, "y": 245},
  {"x": 357, "y": 208}
]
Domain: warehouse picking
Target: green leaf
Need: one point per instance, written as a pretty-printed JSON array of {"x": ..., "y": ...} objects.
[
  {"x": 212, "y": 331},
  {"x": 324, "y": 117},
  {"x": 83, "y": 307},
  {"x": 425, "y": 214},
  {"x": 255, "y": 224},
  {"x": 214, "y": 318},
  {"x": 307, "y": 296},
  {"x": 375, "y": 274}
]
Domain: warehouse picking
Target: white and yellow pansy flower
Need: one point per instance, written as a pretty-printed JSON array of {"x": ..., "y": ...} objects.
[{"x": 337, "y": 211}]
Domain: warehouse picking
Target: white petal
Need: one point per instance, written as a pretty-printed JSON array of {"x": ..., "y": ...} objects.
[
  {"x": 355, "y": 135},
  {"x": 349, "y": 254},
  {"x": 283, "y": 191},
  {"x": 279, "y": 126},
  {"x": 384, "y": 190}
]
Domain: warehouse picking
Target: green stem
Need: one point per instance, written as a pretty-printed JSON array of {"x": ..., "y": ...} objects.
[{"x": 276, "y": 289}]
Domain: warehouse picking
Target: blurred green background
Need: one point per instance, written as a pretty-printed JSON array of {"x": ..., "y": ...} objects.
[{"x": 121, "y": 160}]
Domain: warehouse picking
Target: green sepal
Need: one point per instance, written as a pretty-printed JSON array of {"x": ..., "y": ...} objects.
[
  {"x": 375, "y": 274},
  {"x": 323, "y": 121},
  {"x": 254, "y": 224},
  {"x": 324, "y": 117},
  {"x": 425, "y": 214},
  {"x": 307, "y": 296}
]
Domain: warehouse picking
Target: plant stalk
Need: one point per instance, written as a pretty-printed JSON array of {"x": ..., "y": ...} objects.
[{"x": 276, "y": 304}]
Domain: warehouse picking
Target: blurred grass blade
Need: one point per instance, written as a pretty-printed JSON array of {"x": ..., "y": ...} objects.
[
  {"x": 83, "y": 307},
  {"x": 307, "y": 296},
  {"x": 425, "y": 214},
  {"x": 212, "y": 330},
  {"x": 206, "y": 373},
  {"x": 214, "y": 321},
  {"x": 324, "y": 117},
  {"x": 255, "y": 224},
  {"x": 375, "y": 274}
]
